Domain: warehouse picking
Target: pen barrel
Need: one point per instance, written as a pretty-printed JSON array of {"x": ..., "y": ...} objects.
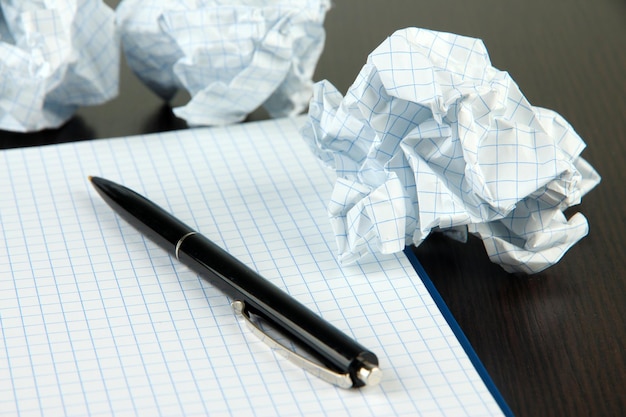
[
  {"x": 145, "y": 216},
  {"x": 331, "y": 346}
]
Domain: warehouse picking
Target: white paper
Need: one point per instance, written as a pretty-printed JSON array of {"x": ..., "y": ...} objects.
[
  {"x": 431, "y": 137},
  {"x": 230, "y": 56},
  {"x": 54, "y": 57},
  {"x": 97, "y": 320}
]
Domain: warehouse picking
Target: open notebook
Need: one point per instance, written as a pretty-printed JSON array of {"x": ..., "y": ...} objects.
[{"x": 96, "y": 320}]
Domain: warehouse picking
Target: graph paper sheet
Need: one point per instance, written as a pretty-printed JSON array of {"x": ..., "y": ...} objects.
[{"x": 95, "y": 320}]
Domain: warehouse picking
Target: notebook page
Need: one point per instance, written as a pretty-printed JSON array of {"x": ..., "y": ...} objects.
[{"x": 96, "y": 320}]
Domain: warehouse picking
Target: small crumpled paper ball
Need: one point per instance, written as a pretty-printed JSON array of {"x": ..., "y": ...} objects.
[
  {"x": 232, "y": 56},
  {"x": 54, "y": 57},
  {"x": 431, "y": 137}
]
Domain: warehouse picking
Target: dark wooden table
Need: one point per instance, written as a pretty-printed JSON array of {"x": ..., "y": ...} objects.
[{"x": 554, "y": 343}]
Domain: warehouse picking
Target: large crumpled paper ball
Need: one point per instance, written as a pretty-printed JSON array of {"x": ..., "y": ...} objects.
[
  {"x": 431, "y": 137},
  {"x": 54, "y": 58},
  {"x": 230, "y": 56}
]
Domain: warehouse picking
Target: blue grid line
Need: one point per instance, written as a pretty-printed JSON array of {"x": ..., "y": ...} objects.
[
  {"x": 238, "y": 155},
  {"x": 222, "y": 194},
  {"x": 148, "y": 151},
  {"x": 40, "y": 225},
  {"x": 68, "y": 252},
  {"x": 295, "y": 189},
  {"x": 181, "y": 185},
  {"x": 115, "y": 274},
  {"x": 27, "y": 348}
]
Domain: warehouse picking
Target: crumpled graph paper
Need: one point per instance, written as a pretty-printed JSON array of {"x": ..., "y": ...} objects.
[
  {"x": 230, "y": 56},
  {"x": 54, "y": 57},
  {"x": 431, "y": 137}
]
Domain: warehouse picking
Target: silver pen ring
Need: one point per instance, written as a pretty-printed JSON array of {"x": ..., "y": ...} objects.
[{"x": 180, "y": 242}]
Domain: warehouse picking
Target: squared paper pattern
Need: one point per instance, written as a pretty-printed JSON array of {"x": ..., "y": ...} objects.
[{"x": 96, "y": 320}]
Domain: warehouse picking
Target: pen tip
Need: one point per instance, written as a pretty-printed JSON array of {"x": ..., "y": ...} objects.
[{"x": 90, "y": 178}]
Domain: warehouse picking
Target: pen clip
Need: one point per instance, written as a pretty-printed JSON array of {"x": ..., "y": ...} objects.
[{"x": 335, "y": 378}]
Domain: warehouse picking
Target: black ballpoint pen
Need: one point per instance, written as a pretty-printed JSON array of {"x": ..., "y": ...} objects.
[{"x": 345, "y": 362}]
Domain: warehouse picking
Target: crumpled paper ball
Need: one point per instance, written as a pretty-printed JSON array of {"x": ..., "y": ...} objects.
[
  {"x": 431, "y": 137},
  {"x": 230, "y": 56},
  {"x": 54, "y": 57}
]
